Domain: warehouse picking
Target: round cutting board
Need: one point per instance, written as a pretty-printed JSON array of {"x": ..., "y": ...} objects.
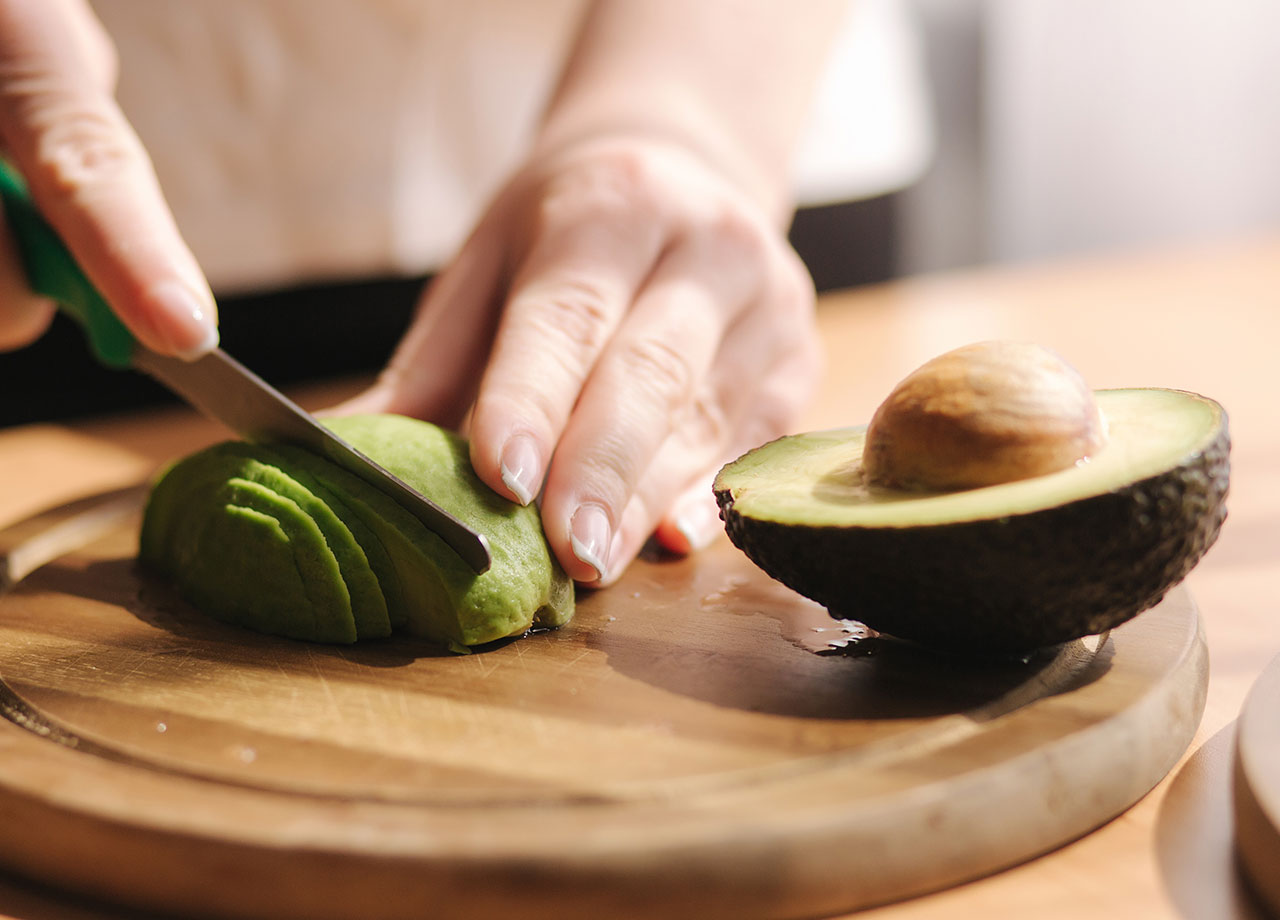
[
  {"x": 693, "y": 744},
  {"x": 1256, "y": 786}
]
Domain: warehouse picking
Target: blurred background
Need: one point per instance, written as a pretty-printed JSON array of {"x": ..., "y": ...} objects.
[
  {"x": 949, "y": 134},
  {"x": 1068, "y": 127}
]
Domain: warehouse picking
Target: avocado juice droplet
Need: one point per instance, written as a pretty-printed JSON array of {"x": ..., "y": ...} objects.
[{"x": 804, "y": 624}]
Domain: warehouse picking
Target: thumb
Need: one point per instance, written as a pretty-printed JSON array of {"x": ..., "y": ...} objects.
[{"x": 90, "y": 177}]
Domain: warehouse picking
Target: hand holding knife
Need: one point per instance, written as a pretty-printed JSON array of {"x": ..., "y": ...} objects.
[{"x": 215, "y": 384}]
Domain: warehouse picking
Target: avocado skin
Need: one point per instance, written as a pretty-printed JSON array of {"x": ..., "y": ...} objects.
[{"x": 1011, "y": 584}]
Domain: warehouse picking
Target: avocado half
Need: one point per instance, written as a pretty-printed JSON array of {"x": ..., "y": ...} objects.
[
  {"x": 283, "y": 541},
  {"x": 1002, "y": 568}
]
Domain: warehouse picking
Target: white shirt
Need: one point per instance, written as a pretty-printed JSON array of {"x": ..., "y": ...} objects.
[{"x": 325, "y": 139}]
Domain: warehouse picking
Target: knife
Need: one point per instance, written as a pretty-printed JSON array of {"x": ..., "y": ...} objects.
[{"x": 216, "y": 384}]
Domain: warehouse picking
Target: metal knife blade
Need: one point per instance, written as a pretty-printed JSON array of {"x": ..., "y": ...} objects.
[{"x": 224, "y": 389}]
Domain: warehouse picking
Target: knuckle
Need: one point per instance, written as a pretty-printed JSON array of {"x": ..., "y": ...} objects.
[
  {"x": 576, "y": 313},
  {"x": 744, "y": 251},
  {"x": 82, "y": 150},
  {"x": 739, "y": 233},
  {"x": 614, "y": 186},
  {"x": 613, "y": 465},
  {"x": 660, "y": 368},
  {"x": 535, "y": 408},
  {"x": 730, "y": 232},
  {"x": 704, "y": 421}
]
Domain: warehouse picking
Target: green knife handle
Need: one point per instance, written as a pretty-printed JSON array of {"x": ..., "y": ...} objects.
[{"x": 52, "y": 272}]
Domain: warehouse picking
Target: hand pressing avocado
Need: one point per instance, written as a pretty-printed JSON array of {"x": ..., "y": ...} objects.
[
  {"x": 993, "y": 503},
  {"x": 280, "y": 540}
]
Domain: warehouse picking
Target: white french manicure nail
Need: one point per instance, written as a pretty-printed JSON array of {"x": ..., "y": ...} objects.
[
  {"x": 589, "y": 537},
  {"x": 521, "y": 471}
]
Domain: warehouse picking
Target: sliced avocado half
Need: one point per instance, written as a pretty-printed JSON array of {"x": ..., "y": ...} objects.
[
  {"x": 1008, "y": 567},
  {"x": 283, "y": 541}
]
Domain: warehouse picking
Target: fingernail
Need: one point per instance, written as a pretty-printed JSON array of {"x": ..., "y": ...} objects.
[
  {"x": 187, "y": 326},
  {"x": 589, "y": 537},
  {"x": 699, "y": 524},
  {"x": 520, "y": 468}
]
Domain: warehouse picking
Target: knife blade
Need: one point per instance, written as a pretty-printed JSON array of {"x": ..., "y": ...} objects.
[
  {"x": 215, "y": 384},
  {"x": 224, "y": 389}
]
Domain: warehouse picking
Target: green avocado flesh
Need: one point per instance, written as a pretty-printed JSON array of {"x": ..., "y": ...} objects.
[
  {"x": 1008, "y": 567},
  {"x": 282, "y": 541}
]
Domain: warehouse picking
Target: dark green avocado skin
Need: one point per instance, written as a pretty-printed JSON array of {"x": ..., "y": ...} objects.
[{"x": 1005, "y": 585}]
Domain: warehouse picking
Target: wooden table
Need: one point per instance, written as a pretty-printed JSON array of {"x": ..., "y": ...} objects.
[{"x": 1204, "y": 319}]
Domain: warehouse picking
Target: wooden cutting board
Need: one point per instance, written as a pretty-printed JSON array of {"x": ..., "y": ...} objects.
[
  {"x": 690, "y": 746},
  {"x": 1256, "y": 787}
]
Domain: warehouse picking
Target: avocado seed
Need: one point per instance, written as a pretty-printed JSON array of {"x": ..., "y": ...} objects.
[{"x": 980, "y": 415}]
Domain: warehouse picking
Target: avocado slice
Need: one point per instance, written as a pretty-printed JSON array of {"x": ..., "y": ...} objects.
[
  {"x": 314, "y": 536},
  {"x": 1001, "y": 568},
  {"x": 380, "y": 568},
  {"x": 524, "y": 587},
  {"x": 302, "y": 593},
  {"x": 180, "y": 504}
]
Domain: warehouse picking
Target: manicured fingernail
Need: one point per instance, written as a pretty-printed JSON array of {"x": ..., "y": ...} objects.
[
  {"x": 589, "y": 536},
  {"x": 521, "y": 471},
  {"x": 184, "y": 324},
  {"x": 699, "y": 524}
]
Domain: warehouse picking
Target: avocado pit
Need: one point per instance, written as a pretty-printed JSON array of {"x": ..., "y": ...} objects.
[{"x": 980, "y": 415}]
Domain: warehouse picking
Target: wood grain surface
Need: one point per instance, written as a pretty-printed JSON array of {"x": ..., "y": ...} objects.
[{"x": 691, "y": 746}]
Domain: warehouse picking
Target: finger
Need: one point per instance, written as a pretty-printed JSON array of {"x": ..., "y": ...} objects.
[
  {"x": 591, "y": 250},
  {"x": 435, "y": 369},
  {"x": 92, "y": 180},
  {"x": 764, "y": 374},
  {"x": 23, "y": 315},
  {"x": 693, "y": 520},
  {"x": 93, "y": 45},
  {"x": 643, "y": 387},
  {"x": 674, "y": 501},
  {"x": 686, "y": 462}
]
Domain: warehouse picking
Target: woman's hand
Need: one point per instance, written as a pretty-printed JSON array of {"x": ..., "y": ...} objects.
[
  {"x": 91, "y": 179},
  {"x": 627, "y": 315},
  {"x": 626, "y": 320}
]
